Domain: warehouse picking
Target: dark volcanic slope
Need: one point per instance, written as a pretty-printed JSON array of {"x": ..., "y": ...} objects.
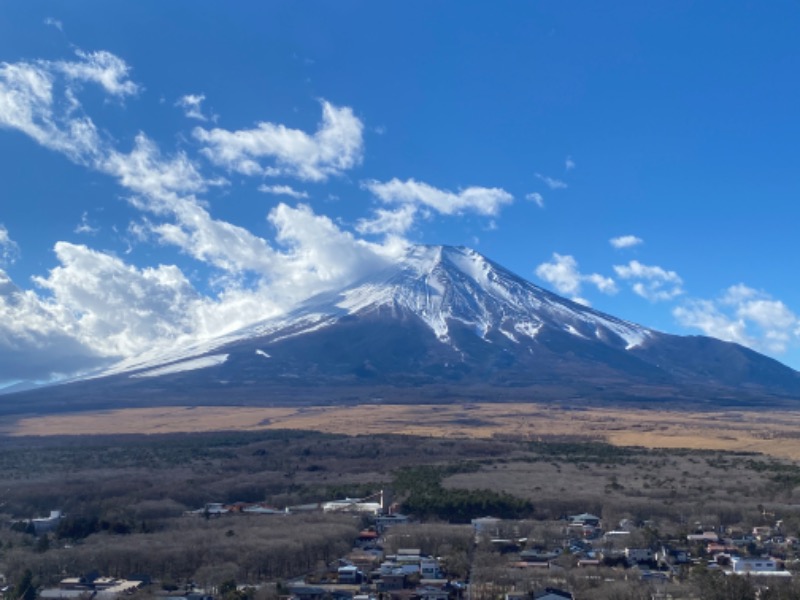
[{"x": 445, "y": 324}]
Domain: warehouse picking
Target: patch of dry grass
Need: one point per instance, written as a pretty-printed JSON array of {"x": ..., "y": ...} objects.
[{"x": 773, "y": 433}]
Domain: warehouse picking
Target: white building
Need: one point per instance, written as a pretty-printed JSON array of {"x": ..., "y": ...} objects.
[
  {"x": 45, "y": 524},
  {"x": 353, "y": 505},
  {"x": 753, "y": 565}
]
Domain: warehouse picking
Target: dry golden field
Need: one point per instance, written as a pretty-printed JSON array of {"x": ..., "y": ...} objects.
[{"x": 772, "y": 433}]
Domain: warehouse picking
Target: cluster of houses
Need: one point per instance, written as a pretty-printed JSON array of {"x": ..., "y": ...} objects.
[
  {"x": 758, "y": 553},
  {"x": 368, "y": 573},
  {"x": 408, "y": 573}
]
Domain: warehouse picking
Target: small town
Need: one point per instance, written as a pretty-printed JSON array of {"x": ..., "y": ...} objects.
[{"x": 576, "y": 557}]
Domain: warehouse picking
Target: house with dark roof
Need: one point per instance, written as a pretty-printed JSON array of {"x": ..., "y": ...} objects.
[{"x": 552, "y": 594}]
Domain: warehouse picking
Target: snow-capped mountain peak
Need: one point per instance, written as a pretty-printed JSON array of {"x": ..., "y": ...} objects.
[
  {"x": 447, "y": 323},
  {"x": 443, "y": 284}
]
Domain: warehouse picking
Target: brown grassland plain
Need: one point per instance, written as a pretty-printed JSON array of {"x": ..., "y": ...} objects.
[{"x": 775, "y": 433}]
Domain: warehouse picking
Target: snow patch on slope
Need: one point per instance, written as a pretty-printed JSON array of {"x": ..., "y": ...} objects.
[
  {"x": 529, "y": 329},
  {"x": 186, "y": 365}
]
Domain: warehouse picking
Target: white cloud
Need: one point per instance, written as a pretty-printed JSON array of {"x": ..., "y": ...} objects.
[
  {"x": 144, "y": 170},
  {"x": 537, "y": 198},
  {"x": 219, "y": 243},
  {"x": 192, "y": 106},
  {"x": 27, "y": 104},
  {"x": 396, "y": 222},
  {"x": 602, "y": 283},
  {"x": 37, "y": 338},
  {"x": 282, "y": 190},
  {"x": 319, "y": 255},
  {"x": 746, "y": 316},
  {"x": 480, "y": 200},
  {"x": 95, "y": 305},
  {"x": 569, "y": 164},
  {"x": 40, "y": 99},
  {"x": 9, "y": 251},
  {"x": 563, "y": 274},
  {"x": 50, "y": 21},
  {"x": 651, "y": 282},
  {"x": 103, "y": 68},
  {"x": 118, "y": 309},
  {"x": 625, "y": 241},
  {"x": 553, "y": 184},
  {"x": 335, "y": 147},
  {"x": 84, "y": 226},
  {"x": 706, "y": 316},
  {"x": 163, "y": 185},
  {"x": 99, "y": 308}
]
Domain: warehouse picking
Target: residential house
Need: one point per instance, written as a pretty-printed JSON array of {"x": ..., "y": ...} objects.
[
  {"x": 638, "y": 555},
  {"x": 490, "y": 525},
  {"x": 383, "y": 522},
  {"x": 58, "y": 594},
  {"x": 704, "y": 537},
  {"x": 672, "y": 556},
  {"x": 552, "y": 594},
  {"x": 391, "y": 582},
  {"x": 307, "y": 593},
  {"x": 539, "y": 556},
  {"x": 762, "y": 533},
  {"x": 585, "y": 519},
  {"x": 430, "y": 593},
  {"x": 350, "y": 574},
  {"x": 741, "y": 565}
]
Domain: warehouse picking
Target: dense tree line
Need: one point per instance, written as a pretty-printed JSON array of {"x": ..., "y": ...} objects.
[{"x": 426, "y": 498}]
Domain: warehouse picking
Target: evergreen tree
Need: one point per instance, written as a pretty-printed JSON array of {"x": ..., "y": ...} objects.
[{"x": 25, "y": 590}]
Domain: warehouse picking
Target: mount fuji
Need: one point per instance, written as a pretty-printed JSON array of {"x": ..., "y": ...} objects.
[{"x": 445, "y": 324}]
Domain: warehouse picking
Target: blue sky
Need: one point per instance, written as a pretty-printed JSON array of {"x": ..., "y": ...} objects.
[{"x": 173, "y": 171}]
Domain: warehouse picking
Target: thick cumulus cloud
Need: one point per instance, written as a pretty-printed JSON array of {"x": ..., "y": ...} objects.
[
  {"x": 563, "y": 274},
  {"x": 319, "y": 254},
  {"x": 117, "y": 308},
  {"x": 273, "y": 149},
  {"x": 743, "y": 315},
  {"x": 37, "y": 338}
]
